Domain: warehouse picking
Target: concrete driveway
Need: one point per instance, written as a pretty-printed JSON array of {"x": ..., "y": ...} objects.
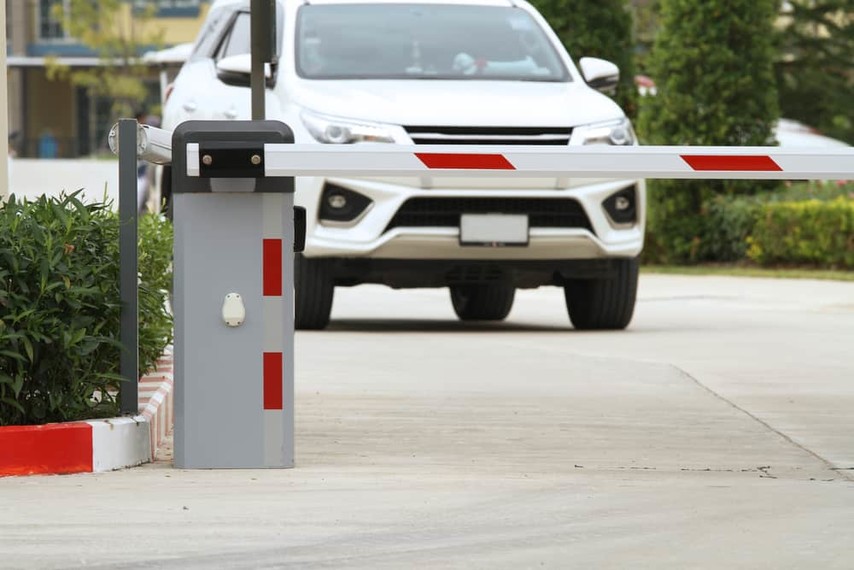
[{"x": 716, "y": 432}]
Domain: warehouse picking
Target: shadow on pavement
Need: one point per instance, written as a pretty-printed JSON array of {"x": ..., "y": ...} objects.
[{"x": 420, "y": 326}]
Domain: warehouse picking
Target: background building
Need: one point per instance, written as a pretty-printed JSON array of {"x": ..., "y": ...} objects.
[{"x": 54, "y": 118}]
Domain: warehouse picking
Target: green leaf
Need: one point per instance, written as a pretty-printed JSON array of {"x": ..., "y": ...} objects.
[
  {"x": 14, "y": 404},
  {"x": 28, "y": 347}
]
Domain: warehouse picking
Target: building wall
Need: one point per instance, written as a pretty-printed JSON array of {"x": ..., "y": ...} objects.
[
  {"x": 49, "y": 109},
  {"x": 182, "y": 30},
  {"x": 37, "y": 105}
]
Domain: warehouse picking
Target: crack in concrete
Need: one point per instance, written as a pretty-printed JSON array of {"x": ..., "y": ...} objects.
[{"x": 763, "y": 423}]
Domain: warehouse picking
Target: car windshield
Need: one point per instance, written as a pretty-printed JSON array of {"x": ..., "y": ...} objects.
[{"x": 423, "y": 41}]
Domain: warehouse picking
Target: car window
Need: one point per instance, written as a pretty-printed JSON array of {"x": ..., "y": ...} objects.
[
  {"x": 210, "y": 34},
  {"x": 237, "y": 40},
  {"x": 424, "y": 41}
]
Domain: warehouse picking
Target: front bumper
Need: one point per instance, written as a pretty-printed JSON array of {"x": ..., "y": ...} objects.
[{"x": 371, "y": 236}]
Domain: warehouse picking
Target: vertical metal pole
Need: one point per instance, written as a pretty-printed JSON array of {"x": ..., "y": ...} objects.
[
  {"x": 128, "y": 267},
  {"x": 262, "y": 24},
  {"x": 4, "y": 108}
]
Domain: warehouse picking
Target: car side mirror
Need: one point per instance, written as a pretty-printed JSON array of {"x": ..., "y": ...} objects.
[
  {"x": 600, "y": 74},
  {"x": 236, "y": 70}
]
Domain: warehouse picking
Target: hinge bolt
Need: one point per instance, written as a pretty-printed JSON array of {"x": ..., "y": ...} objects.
[
  {"x": 256, "y": 159},
  {"x": 207, "y": 160}
]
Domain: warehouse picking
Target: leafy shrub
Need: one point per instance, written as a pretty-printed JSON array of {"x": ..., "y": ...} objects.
[
  {"x": 713, "y": 65},
  {"x": 155, "y": 270},
  {"x": 808, "y": 232},
  {"x": 728, "y": 222},
  {"x": 813, "y": 190},
  {"x": 59, "y": 308}
]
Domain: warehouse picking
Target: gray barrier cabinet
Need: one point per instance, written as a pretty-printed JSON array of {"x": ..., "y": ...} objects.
[{"x": 233, "y": 299}]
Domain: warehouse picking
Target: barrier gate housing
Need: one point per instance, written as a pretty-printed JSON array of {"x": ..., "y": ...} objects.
[
  {"x": 233, "y": 299},
  {"x": 234, "y": 236}
]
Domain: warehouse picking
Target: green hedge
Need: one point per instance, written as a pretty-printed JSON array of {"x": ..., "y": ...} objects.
[
  {"x": 801, "y": 224},
  {"x": 59, "y": 307},
  {"x": 809, "y": 232}
]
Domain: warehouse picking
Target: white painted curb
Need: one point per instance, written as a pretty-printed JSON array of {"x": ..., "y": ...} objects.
[{"x": 120, "y": 442}]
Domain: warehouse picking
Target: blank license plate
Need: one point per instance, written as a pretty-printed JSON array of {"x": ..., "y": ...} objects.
[{"x": 493, "y": 229}]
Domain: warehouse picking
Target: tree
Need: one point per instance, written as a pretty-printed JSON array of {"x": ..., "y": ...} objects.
[
  {"x": 117, "y": 31},
  {"x": 713, "y": 65},
  {"x": 645, "y": 16},
  {"x": 815, "y": 70},
  {"x": 597, "y": 28}
]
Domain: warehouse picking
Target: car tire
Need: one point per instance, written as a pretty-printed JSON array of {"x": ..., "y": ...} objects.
[
  {"x": 313, "y": 291},
  {"x": 483, "y": 302},
  {"x": 603, "y": 304}
]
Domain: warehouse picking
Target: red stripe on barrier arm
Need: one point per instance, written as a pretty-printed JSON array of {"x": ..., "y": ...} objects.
[
  {"x": 465, "y": 161},
  {"x": 51, "y": 448},
  {"x": 273, "y": 374},
  {"x": 735, "y": 163},
  {"x": 272, "y": 268}
]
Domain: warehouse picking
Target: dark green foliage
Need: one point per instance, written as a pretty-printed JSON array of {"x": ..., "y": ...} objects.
[
  {"x": 804, "y": 223},
  {"x": 597, "y": 29},
  {"x": 815, "y": 70},
  {"x": 713, "y": 65},
  {"x": 645, "y": 16},
  {"x": 728, "y": 222},
  {"x": 155, "y": 269},
  {"x": 59, "y": 308},
  {"x": 808, "y": 232}
]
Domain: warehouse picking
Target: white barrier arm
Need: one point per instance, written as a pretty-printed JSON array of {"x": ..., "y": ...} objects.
[{"x": 694, "y": 162}]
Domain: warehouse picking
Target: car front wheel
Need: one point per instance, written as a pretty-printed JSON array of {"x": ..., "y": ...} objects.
[
  {"x": 313, "y": 290},
  {"x": 482, "y": 302},
  {"x": 604, "y": 304}
]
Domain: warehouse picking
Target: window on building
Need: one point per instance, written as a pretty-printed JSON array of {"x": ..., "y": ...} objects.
[
  {"x": 170, "y": 7},
  {"x": 50, "y": 23}
]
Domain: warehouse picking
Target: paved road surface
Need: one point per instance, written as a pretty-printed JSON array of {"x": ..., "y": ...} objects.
[{"x": 717, "y": 432}]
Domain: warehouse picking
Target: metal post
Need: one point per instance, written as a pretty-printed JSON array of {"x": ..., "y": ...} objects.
[
  {"x": 4, "y": 108},
  {"x": 262, "y": 38},
  {"x": 128, "y": 267}
]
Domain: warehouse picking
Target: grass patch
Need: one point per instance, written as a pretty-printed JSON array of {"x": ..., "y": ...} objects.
[{"x": 749, "y": 271}]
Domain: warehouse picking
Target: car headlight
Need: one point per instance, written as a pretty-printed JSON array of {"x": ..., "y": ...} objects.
[
  {"x": 619, "y": 132},
  {"x": 335, "y": 130}
]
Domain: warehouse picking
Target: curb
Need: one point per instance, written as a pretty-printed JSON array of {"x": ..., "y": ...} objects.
[{"x": 94, "y": 445}]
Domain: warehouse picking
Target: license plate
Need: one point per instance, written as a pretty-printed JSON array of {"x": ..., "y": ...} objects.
[{"x": 493, "y": 230}]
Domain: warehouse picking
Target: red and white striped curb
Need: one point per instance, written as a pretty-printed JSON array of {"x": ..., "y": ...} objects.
[
  {"x": 94, "y": 445},
  {"x": 582, "y": 161},
  {"x": 156, "y": 400}
]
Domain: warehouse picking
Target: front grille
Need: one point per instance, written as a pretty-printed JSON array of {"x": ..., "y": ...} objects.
[
  {"x": 445, "y": 212},
  {"x": 491, "y": 135}
]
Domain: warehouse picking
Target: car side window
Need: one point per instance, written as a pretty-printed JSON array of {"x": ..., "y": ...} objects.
[
  {"x": 210, "y": 34},
  {"x": 237, "y": 40}
]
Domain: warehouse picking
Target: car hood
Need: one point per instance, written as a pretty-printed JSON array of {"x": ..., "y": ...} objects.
[{"x": 460, "y": 103}]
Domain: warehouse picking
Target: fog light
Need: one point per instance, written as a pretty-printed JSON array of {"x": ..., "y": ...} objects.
[
  {"x": 621, "y": 206},
  {"x": 339, "y": 204},
  {"x": 337, "y": 201}
]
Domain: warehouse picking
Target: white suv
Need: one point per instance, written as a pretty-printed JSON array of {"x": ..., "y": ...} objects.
[{"x": 436, "y": 72}]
